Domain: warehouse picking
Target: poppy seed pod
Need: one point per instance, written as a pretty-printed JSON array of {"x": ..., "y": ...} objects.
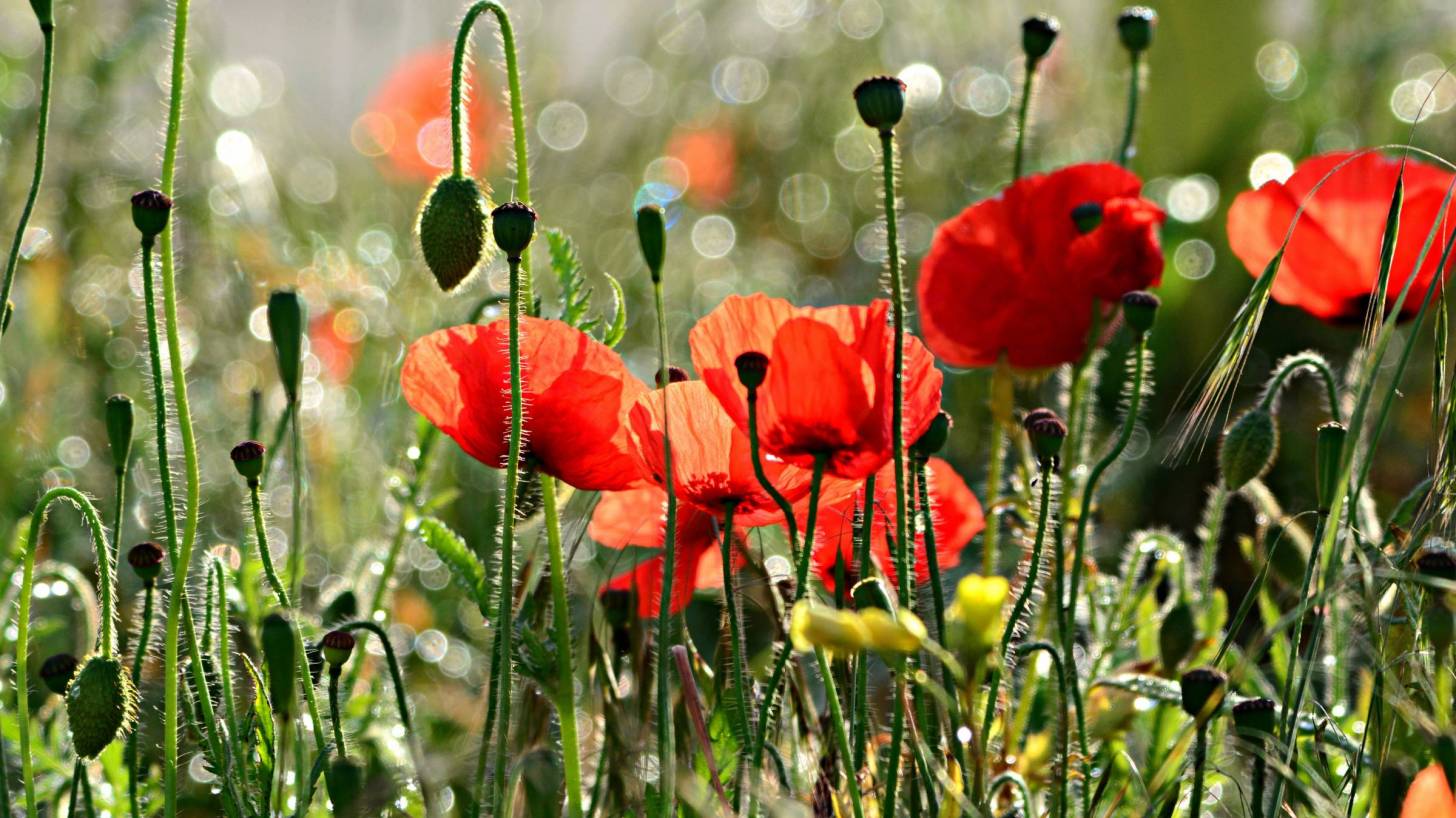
[
  {"x": 1176, "y": 636},
  {"x": 345, "y": 783},
  {"x": 57, "y": 672},
  {"x": 752, "y": 369},
  {"x": 120, "y": 421},
  {"x": 451, "y": 229},
  {"x": 675, "y": 374},
  {"x": 101, "y": 705},
  {"x": 1135, "y": 26},
  {"x": 1329, "y": 449},
  {"x": 1038, "y": 33},
  {"x": 1046, "y": 431},
  {"x": 513, "y": 225},
  {"x": 1437, "y": 561},
  {"x": 881, "y": 102},
  {"x": 935, "y": 436},
  {"x": 145, "y": 559},
  {"x": 287, "y": 317},
  {"x": 150, "y": 210},
  {"x": 280, "y": 657},
  {"x": 1087, "y": 217},
  {"x": 1248, "y": 448},
  {"x": 342, "y": 607},
  {"x": 652, "y": 237},
  {"x": 247, "y": 458},
  {"x": 1202, "y": 690},
  {"x": 1140, "y": 309},
  {"x": 1254, "y": 719},
  {"x": 337, "y": 647}
]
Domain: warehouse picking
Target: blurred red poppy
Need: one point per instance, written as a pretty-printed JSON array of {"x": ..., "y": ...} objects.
[
  {"x": 1332, "y": 263},
  {"x": 956, "y": 512},
  {"x": 1016, "y": 275},
  {"x": 334, "y": 338},
  {"x": 1429, "y": 796},
  {"x": 575, "y": 389},
  {"x": 408, "y": 119},
  {"x": 637, "y": 517},
  {"x": 829, "y": 379},
  {"x": 710, "y": 159}
]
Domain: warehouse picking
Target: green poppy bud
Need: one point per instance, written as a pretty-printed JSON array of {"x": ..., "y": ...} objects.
[
  {"x": 43, "y": 14},
  {"x": 1248, "y": 448},
  {"x": 752, "y": 369},
  {"x": 120, "y": 420},
  {"x": 280, "y": 657},
  {"x": 341, "y": 608},
  {"x": 247, "y": 458},
  {"x": 514, "y": 225},
  {"x": 451, "y": 229},
  {"x": 872, "y": 593},
  {"x": 1038, "y": 33},
  {"x": 57, "y": 672},
  {"x": 101, "y": 705},
  {"x": 935, "y": 436},
  {"x": 1202, "y": 690},
  {"x": 1140, "y": 309},
  {"x": 287, "y": 318},
  {"x": 652, "y": 237},
  {"x": 1177, "y": 636},
  {"x": 1135, "y": 26},
  {"x": 345, "y": 783},
  {"x": 150, "y": 210},
  {"x": 1046, "y": 431},
  {"x": 337, "y": 646},
  {"x": 1328, "y": 450},
  {"x": 145, "y": 559},
  {"x": 881, "y": 102},
  {"x": 1254, "y": 720}
]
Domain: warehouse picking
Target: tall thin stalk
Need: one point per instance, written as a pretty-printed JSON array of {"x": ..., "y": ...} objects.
[
  {"x": 737, "y": 663},
  {"x": 841, "y": 738},
  {"x": 565, "y": 675},
  {"x": 666, "y": 747},
  {"x": 48, "y": 34}
]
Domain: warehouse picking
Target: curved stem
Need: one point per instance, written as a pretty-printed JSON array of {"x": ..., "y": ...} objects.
[
  {"x": 841, "y": 739},
  {"x": 1021, "y": 117},
  {"x": 565, "y": 675},
  {"x": 401, "y": 701},
  {"x": 1064, "y": 731},
  {"x": 755, "y": 453},
  {"x": 1033, "y": 571},
  {"x": 735, "y": 634},
  {"x": 666, "y": 750},
  {"x": 1124, "y": 153},
  {"x": 1292, "y": 366},
  {"x": 47, "y": 70}
]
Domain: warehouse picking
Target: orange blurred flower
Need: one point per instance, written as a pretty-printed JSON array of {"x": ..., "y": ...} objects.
[
  {"x": 408, "y": 120},
  {"x": 1429, "y": 796},
  {"x": 710, "y": 159}
]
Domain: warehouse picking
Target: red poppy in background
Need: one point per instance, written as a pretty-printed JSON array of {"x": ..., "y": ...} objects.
[
  {"x": 409, "y": 117},
  {"x": 1016, "y": 275},
  {"x": 1429, "y": 795},
  {"x": 956, "y": 513},
  {"x": 1331, "y": 266},
  {"x": 575, "y": 389},
  {"x": 334, "y": 339},
  {"x": 638, "y": 517},
  {"x": 829, "y": 379},
  {"x": 710, "y": 158}
]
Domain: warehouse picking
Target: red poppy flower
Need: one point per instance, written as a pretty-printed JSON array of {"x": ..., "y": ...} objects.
[
  {"x": 829, "y": 379},
  {"x": 1429, "y": 796},
  {"x": 575, "y": 389},
  {"x": 334, "y": 339},
  {"x": 1332, "y": 262},
  {"x": 1014, "y": 275},
  {"x": 408, "y": 119},
  {"x": 956, "y": 513},
  {"x": 709, "y": 157},
  {"x": 637, "y": 517}
]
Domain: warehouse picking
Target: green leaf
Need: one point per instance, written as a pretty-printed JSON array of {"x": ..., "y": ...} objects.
[
  {"x": 566, "y": 265},
  {"x": 465, "y": 567},
  {"x": 618, "y": 325}
]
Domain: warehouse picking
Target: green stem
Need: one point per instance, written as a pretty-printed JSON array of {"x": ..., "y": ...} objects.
[
  {"x": 1256, "y": 796},
  {"x": 755, "y": 452},
  {"x": 566, "y": 676},
  {"x": 1200, "y": 757},
  {"x": 401, "y": 701},
  {"x": 1292, "y": 366},
  {"x": 735, "y": 634},
  {"x": 334, "y": 673},
  {"x": 1124, "y": 153},
  {"x": 48, "y": 33},
  {"x": 1063, "y": 731},
  {"x": 295, "y": 539},
  {"x": 937, "y": 598},
  {"x": 1213, "y": 527},
  {"x": 1033, "y": 571},
  {"x": 862, "y": 569},
  {"x": 224, "y": 665},
  {"x": 666, "y": 749},
  {"x": 841, "y": 739},
  {"x": 1021, "y": 117},
  {"x": 140, "y": 654}
]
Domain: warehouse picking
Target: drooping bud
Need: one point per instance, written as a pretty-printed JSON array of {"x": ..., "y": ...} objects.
[
  {"x": 145, "y": 559},
  {"x": 120, "y": 421},
  {"x": 675, "y": 374},
  {"x": 1038, "y": 33},
  {"x": 287, "y": 318},
  {"x": 1087, "y": 217},
  {"x": 57, "y": 672},
  {"x": 1329, "y": 447},
  {"x": 247, "y": 458},
  {"x": 1135, "y": 27},
  {"x": 652, "y": 237},
  {"x": 1254, "y": 720},
  {"x": 150, "y": 210},
  {"x": 1140, "y": 309},
  {"x": 280, "y": 657},
  {"x": 1177, "y": 636},
  {"x": 337, "y": 646},
  {"x": 1248, "y": 448},
  {"x": 935, "y": 436},
  {"x": 101, "y": 705},
  {"x": 451, "y": 229},
  {"x": 752, "y": 369},
  {"x": 881, "y": 102},
  {"x": 1202, "y": 690},
  {"x": 1046, "y": 431},
  {"x": 343, "y": 607},
  {"x": 513, "y": 225}
]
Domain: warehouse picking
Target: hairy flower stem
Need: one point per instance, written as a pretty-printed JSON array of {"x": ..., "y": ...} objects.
[
  {"x": 666, "y": 745},
  {"x": 1002, "y": 396},
  {"x": 1124, "y": 152},
  {"x": 1291, "y": 701},
  {"x": 401, "y": 701},
  {"x": 518, "y": 115},
  {"x": 47, "y": 70},
  {"x": 144, "y": 640},
  {"x": 565, "y": 674},
  {"x": 334, "y": 674},
  {"x": 735, "y": 636},
  {"x": 1063, "y": 730},
  {"x": 862, "y": 567},
  {"x": 1200, "y": 759},
  {"x": 1028, "y": 81},
  {"x": 836, "y": 718},
  {"x": 295, "y": 540}
]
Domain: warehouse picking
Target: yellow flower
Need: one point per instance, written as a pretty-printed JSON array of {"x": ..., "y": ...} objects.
[
  {"x": 836, "y": 631},
  {"x": 974, "y": 621},
  {"x": 891, "y": 634}
]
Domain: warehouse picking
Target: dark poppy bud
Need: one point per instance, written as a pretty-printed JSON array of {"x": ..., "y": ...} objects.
[
  {"x": 1248, "y": 448},
  {"x": 513, "y": 225},
  {"x": 652, "y": 237},
  {"x": 150, "y": 210},
  {"x": 43, "y": 14},
  {"x": 1202, "y": 690},
  {"x": 280, "y": 657},
  {"x": 120, "y": 420},
  {"x": 675, "y": 374},
  {"x": 1135, "y": 27},
  {"x": 1087, "y": 217},
  {"x": 1329, "y": 447},
  {"x": 881, "y": 102},
  {"x": 287, "y": 317},
  {"x": 1046, "y": 431},
  {"x": 1176, "y": 636},
  {"x": 1439, "y": 622},
  {"x": 1254, "y": 719},
  {"x": 1038, "y": 33},
  {"x": 145, "y": 559},
  {"x": 1139, "y": 309},
  {"x": 337, "y": 646},
  {"x": 1437, "y": 561},
  {"x": 343, "y": 607},
  {"x": 57, "y": 671},
  {"x": 451, "y": 229},
  {"x": 752, "y": 369},
  {"x": 872, "y": 593},
  {"x": 345, "y": 783},
  {"x": 248, "y": 460},
  {"x": 1395, "y": 782},
  {"x": 101, "y": 705},
  {"x": 935, "y": 436}
]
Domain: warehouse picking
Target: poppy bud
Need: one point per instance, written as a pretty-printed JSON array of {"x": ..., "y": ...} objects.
[
  {"x": 345, "y": 783},
  {"x": 287, "y": 317},
  {"x": 1038, "y": 33},
  {"x": 1254, "y": 720},
  {"x": 57, "y": 672},
  {"x": 1139, "y": 309},
  {"x": 1437, "y": 561},
  {"x": 1395, "y": 782},
  {"x": 675, "y": 374},
  {"x": 280, "y": 657},
  {"x": 513, "y": 225},
  {"x": 936, "y": 434},
  {"x": 149, "y": 212},
  {"x": 1329, "y": 448},
  {"x": 248, "y": 460},
  {"x": 1135, "y": 27},
  {"x": 872, "y": 593},
  {"x": 43, "y": 14},
  {"x": 974, "y": 620},
  {"x": 337, "y": 646},
  {"x": 752, "y": 369},
  {"x": 1202, "y": 690},
  {"x": 451, "y": 229},
  {"x": 1176, "y": 636},
  {"x": 1439, "y": 622},
  {"x": 818, "y": 626},
  {"x": 891, "y": 633},
  {"x": 145, "y": 559},
  {"x": 120, "y": 419},
  {"x": 1047, "y": 431},
  {"x": 881, "y": 102},
  {"x": 652, "y": 236},
  {"x": 1087, "y": 217},
  {"x": 101, "y": 704},
  {"x": 342, "y": 607},
  {"x": 1248, "y": 449}
]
